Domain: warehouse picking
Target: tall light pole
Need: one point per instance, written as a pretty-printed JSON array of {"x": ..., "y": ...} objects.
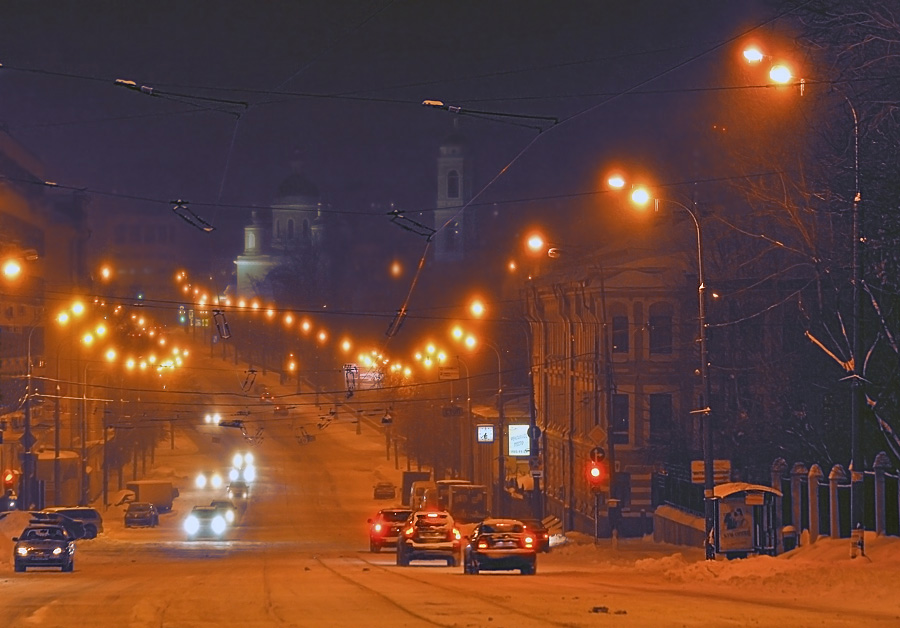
[
  {"x": 782, "y": 74},
  {"x": 471, "y": 342},
  {"x": 641, "y": 196}
]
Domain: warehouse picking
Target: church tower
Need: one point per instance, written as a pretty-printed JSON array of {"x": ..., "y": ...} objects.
[
  {"x": 454, "y": 179},
  {"x": 254, "y": 263}
]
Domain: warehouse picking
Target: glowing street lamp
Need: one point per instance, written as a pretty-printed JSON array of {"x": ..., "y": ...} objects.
[{"x": 642, "y": 196}]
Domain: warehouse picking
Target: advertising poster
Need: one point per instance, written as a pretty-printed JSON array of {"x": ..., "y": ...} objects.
[
  {"x": 735, "y": 525},
  {"x": 519, "y": 443}
]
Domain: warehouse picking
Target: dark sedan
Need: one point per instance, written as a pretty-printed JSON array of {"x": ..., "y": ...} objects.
[
  {"x": 42, "y": 545},
  {"x": 501, "y": 545},
  {"x": 541, "y": 533},
  {"x": 141, "y": 514}
]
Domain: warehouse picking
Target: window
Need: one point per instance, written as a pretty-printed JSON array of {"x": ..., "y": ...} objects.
[
  {"x": 660, "y": 416},
  {"x": 619, "y": 419},
  {"x": 453, "y": 184},
  {"x": 620, "y": 334},
  {"x": 660, "y": 329}
]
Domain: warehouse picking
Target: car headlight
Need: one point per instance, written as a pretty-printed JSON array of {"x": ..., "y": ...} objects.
[
  {"x": 22, "y": 551},
  {"x": 218, "y": 524},
  {"x": 229, "y": 516},
  {"x": 249, "y": 473},
  {"x": 191, "y": 525},
  {"x": 200, "y": 481},
  {"x": 237, "y": 461},
  {"x": 248, "y": 458},
  {"x": 216, "y": 481},
  {"x": 57, "y": 551},
  {"x": 233, "y": 475}
]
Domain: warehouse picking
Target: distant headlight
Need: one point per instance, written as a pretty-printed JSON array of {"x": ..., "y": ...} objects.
[
  {"x": 229, "y": 516},
  {"x": 191, "y": 525},
  {"x": 249, "y": 473},
  {"x": 216, "y": 481},
  {"x": 237, "y": 461},
  {"x": 248, "y": 458},
  {"x": 200, "y": 481},
  {"x": 22, "y": 551},
  {"x": 233, "y": 475},
  {"x": 218, "y": 524},
  {"x": 57, "y": 551}
]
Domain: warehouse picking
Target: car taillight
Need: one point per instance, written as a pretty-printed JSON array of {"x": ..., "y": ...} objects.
[
  {"x": 377, "y": 527},
  {"x": 482, "y": 545},
  {"x": 528, "y": 541},
  {"x": 409, "y": 531},
  {"x": 455, "y": 535}
]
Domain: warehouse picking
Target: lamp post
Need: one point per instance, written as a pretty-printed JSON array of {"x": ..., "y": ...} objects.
[
  {"x": 470, "y": 341},
  {"x": 641, "y": 196},
  {"x": 467, "y": 424},
  {"x": 781, "y": 73}
]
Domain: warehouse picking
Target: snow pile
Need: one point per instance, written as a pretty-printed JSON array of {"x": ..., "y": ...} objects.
[{"x": 11, "y": 525}]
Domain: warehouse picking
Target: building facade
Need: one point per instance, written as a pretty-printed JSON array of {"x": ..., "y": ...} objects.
[{"x": 613, "y": 362}]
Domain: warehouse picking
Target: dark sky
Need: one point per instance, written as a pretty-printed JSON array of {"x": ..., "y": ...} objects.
[{"x": 342, "y": 82}]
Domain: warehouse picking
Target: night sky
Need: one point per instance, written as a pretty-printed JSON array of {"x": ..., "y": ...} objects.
[{"x": 341, "y": 84}]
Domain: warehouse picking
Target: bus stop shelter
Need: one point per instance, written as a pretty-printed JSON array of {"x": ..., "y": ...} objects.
[{"x": 745, "y": 519}]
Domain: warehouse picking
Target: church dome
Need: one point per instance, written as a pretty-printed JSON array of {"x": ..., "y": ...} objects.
[{"x": 298, "y": 184}]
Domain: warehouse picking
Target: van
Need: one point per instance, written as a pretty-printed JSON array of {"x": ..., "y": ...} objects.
[{"x": 417, "y": 493}]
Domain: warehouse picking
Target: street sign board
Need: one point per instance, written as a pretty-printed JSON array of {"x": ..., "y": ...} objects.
[
  {"x": 721, "y": 472},
  {"x": 448, "y": 372},
  {"x": 451, "y": 411}
]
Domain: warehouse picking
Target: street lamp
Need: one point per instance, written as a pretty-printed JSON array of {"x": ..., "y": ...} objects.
[
  {"x": 642, "y": 196},
  {"x": 781, "y": 74},
  {"x": 470, "y": 341}
]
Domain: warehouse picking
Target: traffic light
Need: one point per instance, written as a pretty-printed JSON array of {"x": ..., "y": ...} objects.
[
  {"x": 598, "y": 475},
  {"x": 9, "y": 480}
]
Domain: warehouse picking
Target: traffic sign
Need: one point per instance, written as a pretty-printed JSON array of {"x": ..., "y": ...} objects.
[
  {"x": 448, "y": 372},
  {"x": 721, "y": 472}
]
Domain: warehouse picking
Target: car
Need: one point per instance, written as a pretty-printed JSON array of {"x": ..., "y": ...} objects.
[
  {"x": 385, "y": 527},
  {"x": 501, "y": 545},
  {"x": 227, "y": 508},
  {"x": 44, "y": 545},
  {"x": 73, "y": 527},
  {"x": 141, "y": 514},
  {"x": 205, "y": 522},
  {"x": 429, "y": 535},
  {"x": 385, "y": 490},
  {"x": 208, "y": 479},
  {"x": 238, "y": 490},
  {"x": 90, "y": 517},
  {"x": 541, "y": 533}
]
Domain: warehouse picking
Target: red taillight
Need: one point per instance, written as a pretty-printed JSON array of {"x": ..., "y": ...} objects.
[
  {"x": 528, "y": 541},
  {"x": 409, "y": 531},
  {"x": 482, "y": 545},
  {"x": 455, "y": 535},
  {"x": 377, "y": 527}
]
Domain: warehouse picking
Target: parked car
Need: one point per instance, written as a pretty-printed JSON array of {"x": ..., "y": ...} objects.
[
  {"x": 385, "y": 527},
  {"x": 205, "y": 522},
  {"x": 44, "y": 545},
  {"x": 428, "y": 535},
  {"x": 501, "y": 545},
  {"x": 73, "y": 527},
  {"x": 385, "y": 490},
  {"x": 90, "y": 517},
  {"x": 541, "y": 533},
  {"x": 141, "y": 514}
]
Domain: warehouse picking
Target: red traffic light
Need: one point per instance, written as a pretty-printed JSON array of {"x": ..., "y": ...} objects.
[
  {"x": 598, "y": 476},
  {"x": 9, "y": 479}
]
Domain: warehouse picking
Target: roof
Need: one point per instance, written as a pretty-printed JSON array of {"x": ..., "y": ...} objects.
[{"x": 730, "y": 488}]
